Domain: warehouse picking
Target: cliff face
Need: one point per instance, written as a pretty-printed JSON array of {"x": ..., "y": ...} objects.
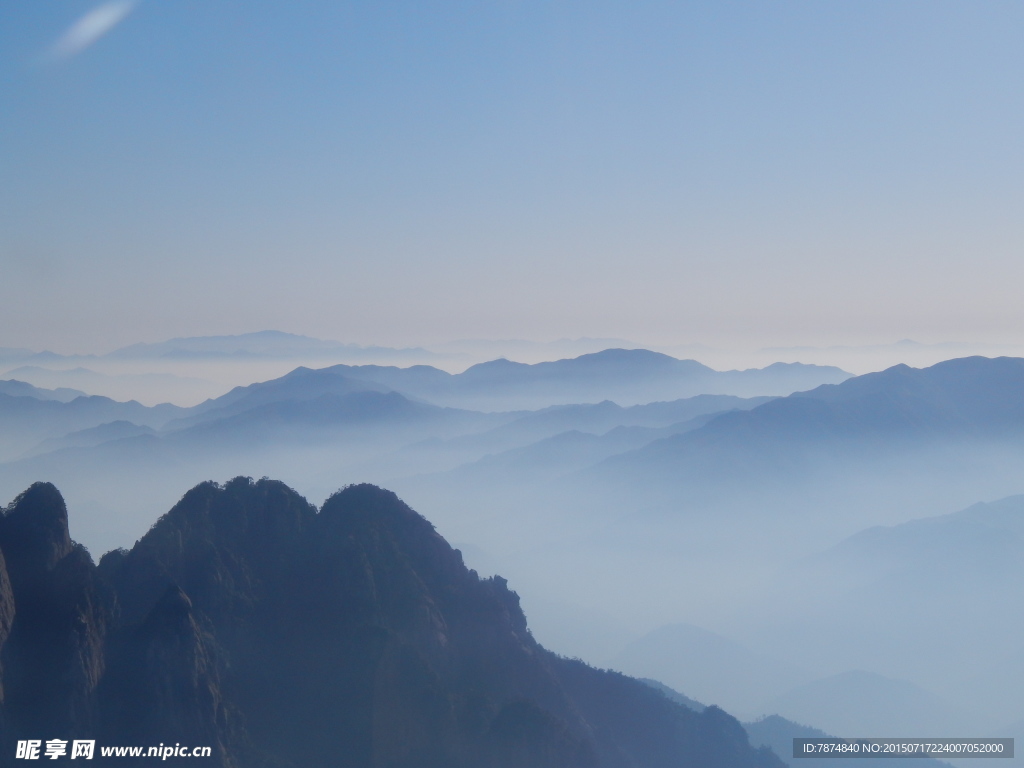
[
  {"x": 52, "y": 655},
  {"x": 247, "y": 621}
]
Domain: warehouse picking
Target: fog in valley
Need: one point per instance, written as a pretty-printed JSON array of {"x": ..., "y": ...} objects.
[{"x": 845, "y": 552}]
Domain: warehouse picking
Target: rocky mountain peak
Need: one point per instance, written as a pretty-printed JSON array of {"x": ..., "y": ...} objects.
[
  {"x": 278, "y": 635},
  {"x": 34, "y": 532}
]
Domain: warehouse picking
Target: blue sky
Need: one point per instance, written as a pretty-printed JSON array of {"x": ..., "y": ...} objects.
[{"x": 402, "y": 173}]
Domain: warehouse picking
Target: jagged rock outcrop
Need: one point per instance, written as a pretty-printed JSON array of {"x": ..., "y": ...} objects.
[
  {"x": 6, "y": 620},
  {"x": 6, "y": 611},
  {"x": 247, "y": 621},
  {"x": 164, "y": 683},
  {"x": 52, "y": 660}
]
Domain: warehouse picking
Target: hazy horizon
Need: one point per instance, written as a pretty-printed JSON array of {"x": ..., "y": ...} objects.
[
  {"x": 189, "y": 380},
  {"x": 730, "y": 174}
]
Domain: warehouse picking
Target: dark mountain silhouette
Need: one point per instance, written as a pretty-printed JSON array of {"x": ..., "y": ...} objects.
[
  {"x": 676, "y": 696},
  {"x": 247, "y": 621}
]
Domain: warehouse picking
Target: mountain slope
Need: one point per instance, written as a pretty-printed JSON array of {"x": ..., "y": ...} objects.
[
  {"x": 871, "y": 600},
  {"x": 17, "y": 388},
  {"x": 26, "y": 421},
  {"x": 301, "y": 384},
  {"x": 968, "y": 398},
  {"x": 949, "y": 433},
  {"x": 278, "y": 635}
]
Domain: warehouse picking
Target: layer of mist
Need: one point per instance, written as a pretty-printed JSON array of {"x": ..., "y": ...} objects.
[{"x": 792, "y": 542}]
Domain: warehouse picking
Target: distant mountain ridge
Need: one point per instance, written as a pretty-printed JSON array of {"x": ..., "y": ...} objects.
[
  {"x": 93, "y": 436},
  {"x": 301, "y": 384},
  {"x": 886, "y": 584},
  {"x": 509, "y": 386},
  {"x": 624, "y": 376},
  {"x": 793, "y": 475},
  {"x": 283, "y": 636},
  {"x": 17, "y": 388},
  {"x": 250, "y": 345},
  {"x": 972, "y": 398},
  {"x": 26, "y": 421}
]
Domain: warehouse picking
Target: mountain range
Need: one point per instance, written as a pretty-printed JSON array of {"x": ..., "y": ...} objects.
[
  {"x": 618, "y": 519},
  {"x": 372, "y": 422},
  {"x": 625, "y": 376},
  {"x": 967, "y": 399},
  {"x": 899, "y": 442},
  {"x": 27, "y": 420}
]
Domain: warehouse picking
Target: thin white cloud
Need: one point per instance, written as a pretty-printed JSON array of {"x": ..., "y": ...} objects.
[{"x": 90, "y": 28}]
